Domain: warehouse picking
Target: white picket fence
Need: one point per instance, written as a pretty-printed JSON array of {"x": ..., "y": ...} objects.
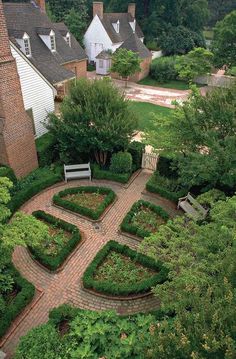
[{"x": 149, "y": 161}]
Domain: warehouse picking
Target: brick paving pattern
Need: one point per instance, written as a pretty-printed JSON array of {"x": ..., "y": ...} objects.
[{"x": 65, "y": 286}]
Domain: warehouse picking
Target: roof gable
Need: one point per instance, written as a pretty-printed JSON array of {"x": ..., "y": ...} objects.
[{"x": 134, "y": 44}]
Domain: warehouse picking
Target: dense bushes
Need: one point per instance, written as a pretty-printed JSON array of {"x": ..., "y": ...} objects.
[
  {"x": 109, "y": 287},
  {"x": 9, "y": 173},
  {"x": 129, "y": 227},
  {"x": 99, "y": 173},
  {"x": 32, "y": 184},
  {"x": 121, "y": 162},
  {"x": 24, "y": 296},
  {"x": 163, "y": 69},
  {"x": 136, "y": 150},
  {"x": 93, "y": 214},
  {"x": 53, "y": 262},
  {"x": 46, "y": 149},
  {"x": 165, "y": 167}
]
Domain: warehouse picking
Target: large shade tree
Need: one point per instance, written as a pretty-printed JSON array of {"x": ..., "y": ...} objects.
[{"x": 95, "y": 119}]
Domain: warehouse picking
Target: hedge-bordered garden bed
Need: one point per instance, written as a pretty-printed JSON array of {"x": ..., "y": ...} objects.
[
  {"x": 110, "y": 286},
  {"x": 25, "y": 293},
  {"x": 50, "y": 261},
  {"x": 151, "y": 215},
  {"x": 74, "y": 206}
]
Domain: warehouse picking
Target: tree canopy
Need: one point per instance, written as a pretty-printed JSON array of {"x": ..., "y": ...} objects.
[{"x": 126, "y": 63}]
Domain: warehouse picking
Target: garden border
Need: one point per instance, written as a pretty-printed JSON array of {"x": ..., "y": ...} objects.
[{"x": 122, "y": 185}]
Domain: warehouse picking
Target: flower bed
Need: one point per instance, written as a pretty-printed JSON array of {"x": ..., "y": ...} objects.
[
  {"x": 143, "y": 219},
  {"x": 63, "y": 238},
  {"x": 15, "y": 300},
  {"x": 87, "y": 201},
  {"x": 120, "y": 271}
]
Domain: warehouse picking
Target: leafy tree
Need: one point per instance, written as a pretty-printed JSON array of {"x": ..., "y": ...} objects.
[
  {"x": 196, "y": 63},
  {"x": 220, "y": 8},
  {"x": 5, "y": 186},
  {"x": 77, "y": 20},
  {"x": 126, "y": 63},
  {"x": 95, "y": 119},
  {"x": 223, "y": 45},
  {"x": 204, "y": 130}
]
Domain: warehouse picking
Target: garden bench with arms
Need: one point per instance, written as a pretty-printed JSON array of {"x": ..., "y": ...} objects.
[
  {"x": 192, "y": 207},
  {"x": 77, "y": 171}
]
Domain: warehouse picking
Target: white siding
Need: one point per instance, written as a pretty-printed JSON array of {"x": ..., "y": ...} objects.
[
  {"x": 37, "y": 93},
  {"x": 96, "y": 39}
]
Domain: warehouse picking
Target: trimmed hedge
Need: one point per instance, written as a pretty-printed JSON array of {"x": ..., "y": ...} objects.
[
  {"x": 48, "y": 261},
  {"x": 9, "y": 173},
  {"x": 163, "y": 69},
  {"x": 46, "y": 149},
  {"x": 108, "y": 175},
  {"x": 16, "y": 306},
  {"x": 110, "y": 196},
  {"x": 121, "y": 162},
  {"x": 23, "y": 195},
  {"x": 153, "y": 186},
  {"x": 110, "y": 288},
  {"x": 128, "y": 227}
]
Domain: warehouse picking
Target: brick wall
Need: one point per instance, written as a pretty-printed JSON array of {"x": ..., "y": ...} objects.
[
  {"x": 78, "y": 67},
  {"x": 17, "y": 145}
]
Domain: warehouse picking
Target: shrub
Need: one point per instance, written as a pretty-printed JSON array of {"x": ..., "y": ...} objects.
[
  {"x": 93, "y": 214},
  {"x": 99, "y": 173},
  {"x": 165, "y": 187},
  {"x": 165, "y": 167},
  {"x": 17, "y": 304},
  {"x": 128, "y": 227},
  {"x": 136, "y": 150},
  {"x": 53, "y": 262},
  {"x": 163, "y": 69},
  {"x": 9, "y": 173},
  {"x": 108, "y": 287},
  {"x": 121, "y": 162},
  {"x": 208, "y": 199},
  {"x": 46, "y": 149},
  {"x": 31, "y": 185}
]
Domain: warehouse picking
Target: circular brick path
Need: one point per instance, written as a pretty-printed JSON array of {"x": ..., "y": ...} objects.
[{"x": 65, "y": 286}]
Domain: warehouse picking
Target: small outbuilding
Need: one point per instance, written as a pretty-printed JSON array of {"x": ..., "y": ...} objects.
[{"x": 103, "y": 62}]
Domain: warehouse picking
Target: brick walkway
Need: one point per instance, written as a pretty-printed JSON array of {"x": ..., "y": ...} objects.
[{"x": 65, "y": 286}]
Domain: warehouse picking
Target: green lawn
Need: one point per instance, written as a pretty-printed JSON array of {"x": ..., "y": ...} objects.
[
  {"x": 177, "y": 85},
  {"x": 144, "y": 111}
]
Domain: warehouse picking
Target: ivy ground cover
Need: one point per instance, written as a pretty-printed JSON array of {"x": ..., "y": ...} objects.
[
  {"x": 120, "y": 271},
  {"x": 143, "y": 219},
  {"x": 62, "y": 238},
  {"x": 89, "y": 201}
]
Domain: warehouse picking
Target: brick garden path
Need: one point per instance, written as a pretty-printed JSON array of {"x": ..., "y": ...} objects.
[{"x": 65, "y": 286}]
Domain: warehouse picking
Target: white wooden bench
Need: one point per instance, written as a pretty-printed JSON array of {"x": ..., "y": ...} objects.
[
  {"x": 192, "y": 207},
  {"x": 77, "y": 171}
]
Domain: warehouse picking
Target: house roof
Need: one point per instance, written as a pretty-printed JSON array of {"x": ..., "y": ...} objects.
[
  {"x": 125, "y": 28},
  {"x": 26, "y": 17},
  {"x": 104, "y": 55},
  {"x": 134, "y": 44}
]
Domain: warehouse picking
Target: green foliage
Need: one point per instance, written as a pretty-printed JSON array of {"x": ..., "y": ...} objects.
[
  {"x": 77, "y": 21},
  {"x": 124, "y": 289},
  {"x": 53, "y": 262},
  {"x": 218, "y": 10},
  {"x": 125, "y": 62},
  {"x": 169, "y": 188},
  {"x": 163, "y": 69},
  {"x": 121, "y": 162},
  {"x": 91, "y": 213},
  {"x": 95, "y": 118},
  {"x": 197, "y": 62},
  {"x": 5, "y": 186},
  {"x": 46, "y": 149},
  {"x": 180, "y": 40},
  {"x": 9, "y": 173},
  {"x": 209, "y": 198},
  {"x": 232, "y": 71},
  {"x": 136, "y": 150},
  {"x": 223, "y": 45},
  {"x": 166, "y": 166},
  {"x": 132, "y": 223},
  {"x": 99, "y": 173}
]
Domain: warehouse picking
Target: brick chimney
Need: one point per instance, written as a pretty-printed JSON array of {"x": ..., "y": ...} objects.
[
  {"x": 42, "y": 5},
  {"x": 132, "y": 9},
  {"x": 98, "y": 9},
  {"x": 17, "y": 145}
]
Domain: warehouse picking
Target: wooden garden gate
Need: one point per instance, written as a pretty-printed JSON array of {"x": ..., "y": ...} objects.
[{"x": 149, "y": 161}]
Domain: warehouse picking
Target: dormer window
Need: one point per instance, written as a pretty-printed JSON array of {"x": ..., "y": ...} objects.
[
  {"x": 52, "y": 41},
  {"x": 116, "y": 26},
  {"x": 133, "y": 25},
  {"x": 26, "y": 42},
  {"x": 68, "y": 39}
]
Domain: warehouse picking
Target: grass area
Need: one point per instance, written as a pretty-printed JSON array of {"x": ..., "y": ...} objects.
[
  {"x": 145, "y": 113},
  {"x": 175, "y": 84},
  {"x": 120, "y": 269}
]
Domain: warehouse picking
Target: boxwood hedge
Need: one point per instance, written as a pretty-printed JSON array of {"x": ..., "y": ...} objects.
[
  {"x": 110, "y": 288},
  {"x": 108, "y": 175},
  {"x": 48, "y": 261},
  {"x": 128, "y": 227},
  {"x": 93, "y": 214},
  {"x": 24, "y": 296}
]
